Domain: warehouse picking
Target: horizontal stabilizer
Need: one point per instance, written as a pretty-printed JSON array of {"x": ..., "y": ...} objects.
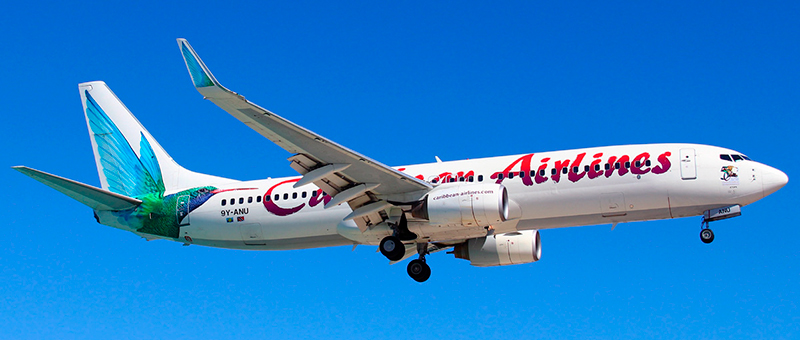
[{"x": 95, "y": 198}]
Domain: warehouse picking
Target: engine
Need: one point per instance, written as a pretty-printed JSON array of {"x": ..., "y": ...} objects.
[
  {"x": 467, "y": 204},
  {"x": 500, "y": 250}
]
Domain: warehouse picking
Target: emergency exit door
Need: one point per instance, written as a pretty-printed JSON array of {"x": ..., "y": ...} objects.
[{"x": 688, "y": 166}]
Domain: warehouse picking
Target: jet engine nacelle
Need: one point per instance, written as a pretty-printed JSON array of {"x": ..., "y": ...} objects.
[
  {"x": 500, "y": 250},
  {"x": 467, "y": 204}
]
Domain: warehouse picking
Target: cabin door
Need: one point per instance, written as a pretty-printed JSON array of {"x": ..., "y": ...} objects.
[{"x": 688, "y": 166}]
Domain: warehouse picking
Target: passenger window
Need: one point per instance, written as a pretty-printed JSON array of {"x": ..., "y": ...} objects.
[
  {"x": 452, "y": 179},
  {"x": 637, "y": 164},
  {"x": 286, "y": 196},
  {"x": 324, "y": 194},
  {"x": 541, "y": 173},
  {"x": 304, "y": 194},
  {"x": 277, "y": 197},
  {"x": 608, "y": 166},
  {"x": 521, "y": 174},
  {"x": 233, "y": 201},
  {"x": 586, "y": 168},
  {"x": 510, "y": 175},
  {"x": 500, "y": 176},
  {"x": 564, "y": 170},
  {"x": 553, "y": 171},
  {"x": 627, "y": 165},
  {"x": 224, "y": 202},
  {"x": 471, "y": 178},
  {"x": 294, "y": 195},
  {"x": 241, "y": 200},
  {"x": 480, "y": 178},
  {"x": 647, "y": 162},
  {"x": 725, "y": 158},
  {"x": 616, "y": 165},
  {"x": 575, "y": 169},
  {"x": 250, "y": 199},
  {"x": 736, "y": 158},
  {"x": 597, "y": 167},
  {"x": 314, "y": 193}
]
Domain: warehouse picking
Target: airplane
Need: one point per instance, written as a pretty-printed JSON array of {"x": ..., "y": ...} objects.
[{"x": 488, "y": 211}]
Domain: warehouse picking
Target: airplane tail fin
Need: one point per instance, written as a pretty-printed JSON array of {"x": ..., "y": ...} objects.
[
  {"x": 97, "y": 199},
  {"x": 129, "y": 160}
]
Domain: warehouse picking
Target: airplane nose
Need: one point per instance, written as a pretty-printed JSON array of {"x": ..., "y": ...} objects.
[{"x": 774, "y": 179}]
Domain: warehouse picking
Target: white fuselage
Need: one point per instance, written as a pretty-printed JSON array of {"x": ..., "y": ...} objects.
[{"x": 611, "y": 185}]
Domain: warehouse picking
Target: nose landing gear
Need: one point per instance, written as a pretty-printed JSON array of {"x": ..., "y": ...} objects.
[{"x": 706, "y": 235}]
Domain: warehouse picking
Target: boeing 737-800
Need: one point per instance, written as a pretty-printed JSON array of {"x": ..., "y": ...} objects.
[{"x": 489, "y": 210}]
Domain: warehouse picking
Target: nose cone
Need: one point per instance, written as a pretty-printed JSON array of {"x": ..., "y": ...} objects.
[{"x": 774, "y": 179}]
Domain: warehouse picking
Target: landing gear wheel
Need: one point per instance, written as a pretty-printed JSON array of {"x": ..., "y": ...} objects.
[
  {"x": 392, "y": 248},
  {"x": 706, "y": 235},
  {"x": 419, "y": 270}
]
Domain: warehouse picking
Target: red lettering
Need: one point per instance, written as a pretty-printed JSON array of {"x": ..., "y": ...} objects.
[
  {"x": 665, "y": 164},
  {"x": 444, "y": 177},
  {"x": 539, "y": 178},
  {"x": 560, "y": 165},
  {"x": 525, "y": 166},
  {"x": 639, "y": 162},
  {"x": 617, "y": 164},
  {"x": 592, "y": 172},
  {"x": 573, "y": 176},
  {"x": 274, "y": 208},
  {"x": 314, "y": 200}
]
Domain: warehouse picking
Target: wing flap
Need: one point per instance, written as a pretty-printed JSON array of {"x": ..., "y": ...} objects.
[{"x": 95, "y": 198}]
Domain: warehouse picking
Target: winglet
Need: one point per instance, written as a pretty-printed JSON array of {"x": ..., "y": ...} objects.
[
  {"x": 200, "y": 74},
  {"x": 95, "y": 198}
]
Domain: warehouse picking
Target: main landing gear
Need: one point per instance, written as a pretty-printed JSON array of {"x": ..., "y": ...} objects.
[
  {"x": 392, "y": 248},
  {"x": 395, "y": 250},
  {"x": 418, "y": 269},
  {"x": 706, "y": 235}
]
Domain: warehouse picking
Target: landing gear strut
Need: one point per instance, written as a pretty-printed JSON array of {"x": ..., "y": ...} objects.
[
  {"x": 706, "y": 235},
  {"x": 418, "y": 269}
]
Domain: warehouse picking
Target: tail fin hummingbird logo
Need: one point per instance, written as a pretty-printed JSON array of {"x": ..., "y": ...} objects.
[{"x": 140, "y": 177}]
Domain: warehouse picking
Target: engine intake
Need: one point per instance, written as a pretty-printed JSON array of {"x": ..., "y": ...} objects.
[
  {"x": 500, "y": 250},
  {"x": 467, "y": 204}
]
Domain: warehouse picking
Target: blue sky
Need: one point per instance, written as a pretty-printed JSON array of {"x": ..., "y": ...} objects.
[{"x": 401, "y": 83}]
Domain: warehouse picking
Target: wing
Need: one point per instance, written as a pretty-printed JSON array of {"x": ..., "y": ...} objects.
[{"x": 348, "y": 176}]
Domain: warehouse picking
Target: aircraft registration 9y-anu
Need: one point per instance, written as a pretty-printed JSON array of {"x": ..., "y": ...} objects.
[{"x": 489, "y": 210}]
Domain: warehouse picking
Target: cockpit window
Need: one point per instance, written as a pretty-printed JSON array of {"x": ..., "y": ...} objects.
[{"x": 734, "y": 158}]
